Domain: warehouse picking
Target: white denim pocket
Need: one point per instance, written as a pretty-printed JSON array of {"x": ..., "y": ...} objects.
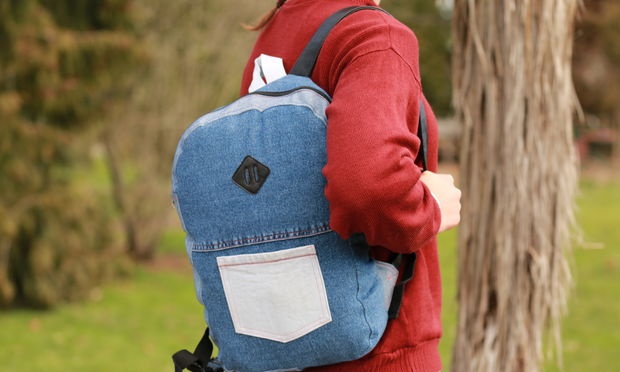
[{"x": 278, "y": 296}]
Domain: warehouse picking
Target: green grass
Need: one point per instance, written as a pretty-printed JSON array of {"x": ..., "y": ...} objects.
[
  {"x": 591, "y": 331},
  {"x": 135, "y": 325},
  {"x": 130, "y": 326},
  {"x": 448, "y": 258}
]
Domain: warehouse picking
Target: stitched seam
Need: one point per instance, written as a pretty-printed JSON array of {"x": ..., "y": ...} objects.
[
  {"x": 267, "y": 262},
  {"x": 362, "y": 305},
  {"x": 256, "y": 239}
]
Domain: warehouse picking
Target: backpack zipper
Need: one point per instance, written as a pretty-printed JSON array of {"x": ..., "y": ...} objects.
[{"x": 286, "y": 92}]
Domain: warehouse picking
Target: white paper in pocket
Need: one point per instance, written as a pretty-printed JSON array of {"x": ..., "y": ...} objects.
[{"x": 278, "y": 296}]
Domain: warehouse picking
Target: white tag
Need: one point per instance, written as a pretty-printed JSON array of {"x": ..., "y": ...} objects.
[{"x": 266, "y": 70}]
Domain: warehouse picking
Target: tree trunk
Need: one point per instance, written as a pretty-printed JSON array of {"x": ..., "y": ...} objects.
[
  {"x": 615, "y": 151},
  {"x": 514, "y": 96},
  {"x": 138, "y": 250}
]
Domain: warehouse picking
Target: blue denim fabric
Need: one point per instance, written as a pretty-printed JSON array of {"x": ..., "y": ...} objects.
[{"x": 285, "y": 132}]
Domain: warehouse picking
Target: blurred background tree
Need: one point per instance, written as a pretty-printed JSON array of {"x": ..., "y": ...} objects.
[
  {"x": 196, "y": 52},
  {"x": 597, "y": 57},
  {"x": 596, "y": 71},
  {"x": 61, "y": 62},
  {"x": 93, "y": 98}
]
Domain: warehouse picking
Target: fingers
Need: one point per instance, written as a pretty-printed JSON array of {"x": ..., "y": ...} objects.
[{"x": 448, "y": 197}]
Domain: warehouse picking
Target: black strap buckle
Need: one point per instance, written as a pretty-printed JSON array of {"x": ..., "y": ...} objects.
[
  {"x": 198, "y": 361},
  {"x": 183, "y": 360}
]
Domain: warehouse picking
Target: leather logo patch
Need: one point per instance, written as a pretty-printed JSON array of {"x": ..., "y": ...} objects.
[{"x": 251, "y": 175}]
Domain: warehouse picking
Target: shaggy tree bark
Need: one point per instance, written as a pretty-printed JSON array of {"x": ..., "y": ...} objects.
[{"x": 514, "y": 94}]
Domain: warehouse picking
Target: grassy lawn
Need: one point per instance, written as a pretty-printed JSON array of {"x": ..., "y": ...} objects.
[
  {"x": 591, "y": 329},
  {"x": 132, "y": 326},
  {"x": 136, "y": 325}
]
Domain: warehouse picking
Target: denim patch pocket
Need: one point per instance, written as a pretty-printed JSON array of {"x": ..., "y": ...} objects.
[
  {"x": 388, "y": 275},
  {"x": 278, "y": 296}
]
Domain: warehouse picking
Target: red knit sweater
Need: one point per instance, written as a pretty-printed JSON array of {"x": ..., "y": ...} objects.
[{"x": 369, "y": 65}]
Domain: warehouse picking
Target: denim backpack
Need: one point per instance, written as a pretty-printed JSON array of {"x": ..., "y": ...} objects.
[{"x": 281, "y": 290}]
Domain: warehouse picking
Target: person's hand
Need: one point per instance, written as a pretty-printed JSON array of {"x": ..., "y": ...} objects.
[{"x": 447, "y": 196}]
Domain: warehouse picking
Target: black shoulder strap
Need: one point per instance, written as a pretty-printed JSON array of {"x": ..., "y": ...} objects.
[
  {"x": 423, "y": 134},
  {"x": 306, "y": 61}
]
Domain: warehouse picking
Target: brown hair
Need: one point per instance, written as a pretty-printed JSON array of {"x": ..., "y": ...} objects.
[{"x": 265, "y": 18}]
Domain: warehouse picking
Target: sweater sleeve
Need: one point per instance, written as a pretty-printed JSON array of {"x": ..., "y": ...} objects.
[{"x": 373, "y": 183}]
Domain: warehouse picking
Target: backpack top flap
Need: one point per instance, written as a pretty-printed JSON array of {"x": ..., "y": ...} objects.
[{"x": 250, "y": 172}]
